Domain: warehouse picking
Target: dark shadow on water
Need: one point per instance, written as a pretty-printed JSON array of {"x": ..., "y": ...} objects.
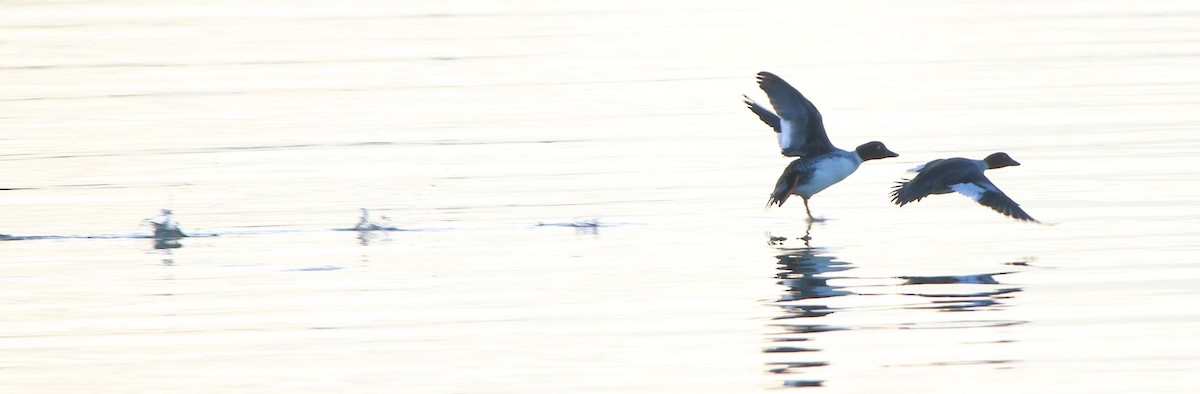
[{"x": 817, "y": 287}]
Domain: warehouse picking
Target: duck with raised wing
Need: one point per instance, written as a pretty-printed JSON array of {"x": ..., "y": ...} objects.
[
  {"x": 964, "y": 176},
  {"x": 801, "y": 132}
]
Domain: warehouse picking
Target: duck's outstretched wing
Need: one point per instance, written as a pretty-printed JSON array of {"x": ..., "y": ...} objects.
[
  {"x": 984, "y": 192},
  {"x": 763, "y": 113},
  {"x": 802, "y": 131},
  {"x": 934, "y": 177},
  {"x": 911, "y": 190}
]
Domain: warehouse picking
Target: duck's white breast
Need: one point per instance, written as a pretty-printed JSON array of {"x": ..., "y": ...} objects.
[{"x": 827, "y": 172}]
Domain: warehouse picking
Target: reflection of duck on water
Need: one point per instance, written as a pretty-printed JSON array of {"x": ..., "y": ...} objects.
[
  {"x": 775, "y": 240},
  {"x": 802, "y": 273},
  {"x": 794, "y": 349},
  {"x": 965, "y": 292}
]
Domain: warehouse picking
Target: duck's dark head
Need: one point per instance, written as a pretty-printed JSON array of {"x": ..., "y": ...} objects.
[
  {"x": 874, "y": 150},
  {"x": 999, "y": 160}
]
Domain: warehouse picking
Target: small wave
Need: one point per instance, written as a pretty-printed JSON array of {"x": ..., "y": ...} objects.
[
  {"x": 316, "y": 268},
  {"x": 982, "y": 279}
]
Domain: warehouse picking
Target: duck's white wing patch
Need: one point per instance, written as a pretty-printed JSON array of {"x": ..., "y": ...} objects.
[
  {"x": 788, "y": 133},
  {"x": 971, "y": 190}
]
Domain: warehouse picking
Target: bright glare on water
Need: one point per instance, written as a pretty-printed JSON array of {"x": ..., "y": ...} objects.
[{"x": 574, "y": 198}]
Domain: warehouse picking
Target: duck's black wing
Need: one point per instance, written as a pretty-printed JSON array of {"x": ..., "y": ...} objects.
[
  {"x": 934, "y": 177},
  {"x": 802, "y": 131},
  {"x": 763, "y": 113},
  {"x": 984, "y": 192}
]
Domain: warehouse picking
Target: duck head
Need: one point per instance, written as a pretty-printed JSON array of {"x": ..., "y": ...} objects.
[
  {"x": 999, "y": 160},
  {"x": 874, "y": 150}
]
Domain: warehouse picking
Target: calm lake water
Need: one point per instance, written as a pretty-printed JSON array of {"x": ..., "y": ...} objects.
[{"x": 581, "y": 194}]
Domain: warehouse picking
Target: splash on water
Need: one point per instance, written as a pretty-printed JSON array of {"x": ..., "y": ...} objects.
[
  {"x": 582, "y": 226},
  {"x": 370, "y": 229},
  {"x": 165, "y": 226},
  {"x": 365, "y": 223}
]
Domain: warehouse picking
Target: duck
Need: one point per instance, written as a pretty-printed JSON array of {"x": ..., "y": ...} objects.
[
  {"x": 964, "y": 176},
  {"x": 801, "y": 133}
]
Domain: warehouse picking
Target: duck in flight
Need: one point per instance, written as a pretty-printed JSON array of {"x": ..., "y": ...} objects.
[
  {"x": 801, "y": 133},
  {"x": 964, "y": 176}
]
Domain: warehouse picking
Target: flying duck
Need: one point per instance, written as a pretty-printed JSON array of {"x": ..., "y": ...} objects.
[
  {"x": 801, "y": 133},
  {"x": 964, "y": 176}
]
